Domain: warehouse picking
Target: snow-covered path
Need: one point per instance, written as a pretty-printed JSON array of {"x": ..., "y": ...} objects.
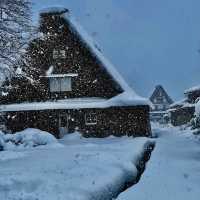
[
  {"x": 79, "y": 169},
  {"x": 173, "y": 172}
]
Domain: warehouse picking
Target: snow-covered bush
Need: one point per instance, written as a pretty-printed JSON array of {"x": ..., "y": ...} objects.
[
  {"x": 195, "y": 122},
  {"x": 26, "y": 139},
  {"x": 2, "y": 143}
]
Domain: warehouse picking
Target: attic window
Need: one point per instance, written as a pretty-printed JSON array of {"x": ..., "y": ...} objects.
[
  {"x": 59, "y": 54},
  {"x": 90, "y": 119}
]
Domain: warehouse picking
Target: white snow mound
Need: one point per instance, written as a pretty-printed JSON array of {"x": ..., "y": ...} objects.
[{"x": 27, "y": 138}]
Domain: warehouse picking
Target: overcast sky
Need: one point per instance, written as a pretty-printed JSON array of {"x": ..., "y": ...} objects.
[{"x": 149, "y": 41}]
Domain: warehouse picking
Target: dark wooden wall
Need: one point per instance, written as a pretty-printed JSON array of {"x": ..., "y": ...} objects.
[
  {"x": 182, "y": 116},
  {"x": 116, "y": 121}
]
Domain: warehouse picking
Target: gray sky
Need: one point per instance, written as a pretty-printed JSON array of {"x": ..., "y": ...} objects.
[{"x": 149, "y": 41}]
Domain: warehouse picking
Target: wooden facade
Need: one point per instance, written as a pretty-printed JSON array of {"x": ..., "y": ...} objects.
[
  {"x": 182, "y": 115},
  {"x": 116, "y": 121},
  {"x": 160, "y": 99},
  {"x": 161, "y": 102},
  {"x": 63, "y": 66}
]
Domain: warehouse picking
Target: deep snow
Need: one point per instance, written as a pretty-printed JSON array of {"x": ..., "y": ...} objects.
[
  {"x": 173, "y": 172},
  {"x": 28, "y": 138},
  {"x": 83, "y": 169}
]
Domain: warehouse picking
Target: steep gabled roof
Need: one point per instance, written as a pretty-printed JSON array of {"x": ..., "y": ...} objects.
[
  {"x": 88, "y": 42},
  {"x": 158, "y": 89}
]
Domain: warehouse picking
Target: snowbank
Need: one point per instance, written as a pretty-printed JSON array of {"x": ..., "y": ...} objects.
[
  {"x": 84, "y": 169},
  {"x": 93, "y": 47},
  {"x": 26, "y": 139},
  {"x": 192, "y": 89},
  {"x": 197, "y": 109},
  {"x": 173, "y": 170}
]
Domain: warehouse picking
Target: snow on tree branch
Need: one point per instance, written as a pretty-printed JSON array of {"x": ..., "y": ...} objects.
[{"x": 15, "y": 30}]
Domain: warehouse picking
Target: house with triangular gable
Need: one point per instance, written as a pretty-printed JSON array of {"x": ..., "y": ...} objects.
[
  {"x": 160, "y": 99},
  {"x": 161, "y": 102},
  {"x": 76, "y": 87}
]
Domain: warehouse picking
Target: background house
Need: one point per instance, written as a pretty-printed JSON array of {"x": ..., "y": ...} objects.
[
  {"x": 182, "y": 112},
  {"x": 161, "y": 102}
]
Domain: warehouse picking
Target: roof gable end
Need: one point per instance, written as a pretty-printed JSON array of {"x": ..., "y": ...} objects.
[
  {"x": 88, "y": 42},
  {"x": 160, "y": 89}
]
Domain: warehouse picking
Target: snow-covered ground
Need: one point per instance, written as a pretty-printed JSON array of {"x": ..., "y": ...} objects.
[
  {"x": 77, "y": 169},
  {"x": 28, "y": 138},
  {"x": 173, "y": 172}
]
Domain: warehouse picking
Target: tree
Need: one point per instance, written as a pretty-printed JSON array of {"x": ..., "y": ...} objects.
[{"x": 15, "y": 29}]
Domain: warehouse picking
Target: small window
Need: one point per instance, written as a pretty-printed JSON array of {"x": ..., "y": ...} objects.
[
  {"x": 90, "y": 119},
  {"x": 59, "y": 54},
  {"x": 62, "y": 54},
  {"x": 160, "y": 107},
  {"x": 60, "y": 84}
]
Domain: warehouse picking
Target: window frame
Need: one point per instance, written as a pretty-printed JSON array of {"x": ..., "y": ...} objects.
[
  {"x": 59, "y": 54},
  {"x": 60, "y": 80},
  {"x": 91, "y": 119}
]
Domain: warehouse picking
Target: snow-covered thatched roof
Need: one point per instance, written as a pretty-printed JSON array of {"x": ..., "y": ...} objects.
[
  {"x": 179, "y": 103},
  {"x": 127, "y": 98},
  {"x": 60, "y": 75},
  {"x": 93, "y": 47}
]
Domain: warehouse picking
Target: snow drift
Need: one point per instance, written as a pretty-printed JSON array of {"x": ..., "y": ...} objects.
[
  {"x": 84, "y": 169},
  {"x": 27, "y": 138}
]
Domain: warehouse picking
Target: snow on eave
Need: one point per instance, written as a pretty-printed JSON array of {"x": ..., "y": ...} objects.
[
  {"x": 178, "y": 103},
  {"x": 186, "y": 105},
  {"x": 54, "y": 9},
  {"x": 192, "y": 89},
  {"x": 124, "y": 99},
  {"x": 60, "y": 75},
  {"x": 129, "y": 99},
  {"x": 58, "y": 105}
]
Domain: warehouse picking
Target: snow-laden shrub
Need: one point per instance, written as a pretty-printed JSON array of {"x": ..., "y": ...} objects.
[
  {"x": 27, "y": 138},
  {"x": 195, "y": 121},
  {"x": 2, "y": 142}
]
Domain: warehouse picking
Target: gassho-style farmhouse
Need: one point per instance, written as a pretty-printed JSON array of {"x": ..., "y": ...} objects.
[{"x": 77, "y": 88}]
